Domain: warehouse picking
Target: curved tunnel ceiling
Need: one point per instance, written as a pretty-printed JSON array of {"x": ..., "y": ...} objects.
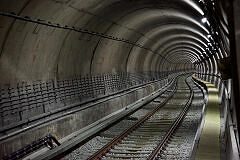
[{"x": 126, "y": 36}]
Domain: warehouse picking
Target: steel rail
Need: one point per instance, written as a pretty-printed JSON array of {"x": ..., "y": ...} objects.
[
  {"x": 173, "y": 127},
  {"x": 108, "y": 146}
]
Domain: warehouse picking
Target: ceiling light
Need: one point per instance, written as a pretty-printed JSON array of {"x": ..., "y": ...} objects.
[
  {"x": 204, "y": 20},
  {"x": 195, "y": 6}
]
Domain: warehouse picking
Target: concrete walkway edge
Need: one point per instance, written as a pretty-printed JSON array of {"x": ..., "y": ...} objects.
[{"x": 209, "y": 143}]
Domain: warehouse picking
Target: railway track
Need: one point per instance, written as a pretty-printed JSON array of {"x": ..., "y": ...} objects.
[{"x": 153, "y": 132}]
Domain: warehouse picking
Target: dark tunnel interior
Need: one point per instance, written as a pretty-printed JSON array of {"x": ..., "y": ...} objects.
[{"x": 66, "y": 64}]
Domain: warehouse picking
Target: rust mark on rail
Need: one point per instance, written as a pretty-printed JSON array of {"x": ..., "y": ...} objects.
[{"x": 34, "y": 58}]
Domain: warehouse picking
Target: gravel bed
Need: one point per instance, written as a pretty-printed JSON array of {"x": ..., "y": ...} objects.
[
  {"x": 186, "y": 132},
  {"x": 181, "y": 147},
  {"x": 106, "y": 136}
]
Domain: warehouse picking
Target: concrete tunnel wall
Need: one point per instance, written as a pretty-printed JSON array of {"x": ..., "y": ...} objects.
[
  {"x": 36, "y": 52},
  {"x": 159, "y": 36}
]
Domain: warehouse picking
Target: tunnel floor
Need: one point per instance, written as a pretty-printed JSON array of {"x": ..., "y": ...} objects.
[
  {"x": 143, "y": 140},
  {"x": 176, "y": 124}
]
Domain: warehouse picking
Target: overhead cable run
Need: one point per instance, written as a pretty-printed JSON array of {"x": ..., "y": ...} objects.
[{"x": 76, "y": 29}]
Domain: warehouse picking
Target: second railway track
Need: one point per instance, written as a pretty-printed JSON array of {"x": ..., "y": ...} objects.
[{"x": 152, "y": 132}]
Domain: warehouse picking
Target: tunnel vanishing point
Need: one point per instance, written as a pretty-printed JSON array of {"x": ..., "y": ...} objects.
[{"x": 73, "y": 71}]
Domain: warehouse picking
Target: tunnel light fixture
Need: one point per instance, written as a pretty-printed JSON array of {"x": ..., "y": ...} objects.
[
  {"x": 213, "y": 2},
  {"x": 203, "y": 53},
  {"x": 195, "y": 6},
  {"x": 209, "y": 36},
  {"x": 204, "y": 20},
  {"x": 208, "y": 23}
]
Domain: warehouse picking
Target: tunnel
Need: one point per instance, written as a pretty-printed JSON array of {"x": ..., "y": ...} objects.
[{"x": 71, "y": 70}]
